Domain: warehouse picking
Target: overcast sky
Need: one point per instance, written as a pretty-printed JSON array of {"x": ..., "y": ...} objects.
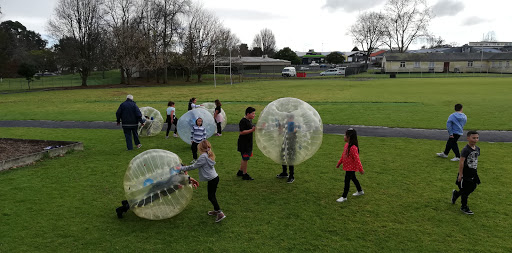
[{"x": 314, "y": 24}]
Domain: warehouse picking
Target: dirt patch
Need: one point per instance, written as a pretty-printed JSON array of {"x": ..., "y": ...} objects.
[{"x": 13, "y": 148}]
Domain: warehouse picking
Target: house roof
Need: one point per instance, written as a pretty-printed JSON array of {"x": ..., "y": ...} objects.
[
  {"x": 437, "y": 57},
  {"x": 378, "y": 53},
  {"x": 255, "y": 61}
]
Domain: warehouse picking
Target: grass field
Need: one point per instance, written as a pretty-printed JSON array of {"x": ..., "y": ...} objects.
[
  {"x": 417, "y": 103},
  {"x": 67, "y": 204}
]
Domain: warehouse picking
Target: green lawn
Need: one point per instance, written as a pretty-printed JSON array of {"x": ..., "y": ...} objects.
[
  {"x": 417, "y": 103},
  {"x": 67, "y": 203}
]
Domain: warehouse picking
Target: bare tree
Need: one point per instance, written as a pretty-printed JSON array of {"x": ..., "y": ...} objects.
[
  {"x": 82, "y": 21},
  {"x": 369, "y": 31},
  {"x": 489, "y": 37},
  {"x": 266, "y": 41},
  {"x": 407, "y": 21},
  {"x": 201, "y": 41}
]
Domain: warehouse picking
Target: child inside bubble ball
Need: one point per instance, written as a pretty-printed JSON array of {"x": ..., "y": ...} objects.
[{"x": 288, "y": 147}]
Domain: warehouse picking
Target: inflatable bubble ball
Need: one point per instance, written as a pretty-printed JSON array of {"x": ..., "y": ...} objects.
[
  {"x": 289, "y": 131},
  {"x": 154, "y": 122},
  {"x": 188, "y": 120},
  {"x": 222, "y": 118},
  {"x": 153, "y": 188}
]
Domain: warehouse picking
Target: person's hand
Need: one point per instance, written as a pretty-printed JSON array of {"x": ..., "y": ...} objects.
[
  {"x": 177, "y": 167},
  {"x": 459, "y": 178},
  {"x": 194, "y": 183},
  {"x": 362, "y": 172},
  {"x": 337, "y": 166},
  {"x": 451, "y": 136},
  {"x": 253, "y": 128}
]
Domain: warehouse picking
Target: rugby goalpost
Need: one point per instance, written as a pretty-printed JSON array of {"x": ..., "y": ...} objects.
[{"x": 215, "y": 66}]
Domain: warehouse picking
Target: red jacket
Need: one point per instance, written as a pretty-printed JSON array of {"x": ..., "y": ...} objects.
[{"x": 350, "y": 162}]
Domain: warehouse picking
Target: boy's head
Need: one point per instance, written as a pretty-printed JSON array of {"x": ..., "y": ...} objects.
[
  {"x": 250, "y": 112},
  {"x": 171, "y": 103},
  {"x": 458, "y": 107},
  {"x": 473, "y": 137}
]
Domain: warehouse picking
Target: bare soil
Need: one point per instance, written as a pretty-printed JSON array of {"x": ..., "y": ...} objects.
[{"x": 13, "y": 148}]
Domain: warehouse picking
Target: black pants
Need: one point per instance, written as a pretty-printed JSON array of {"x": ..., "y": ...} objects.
[
  {"x": 451, "y": 144},
  {"x": 467, "y": 187},
  {"x": 219, "y": 127},
  {"x": 350, "y": 175},
  {"x": 169, "y": 125},
  {"x": 212, "y": 189},
  {"x": 194, "y": 149},
  {"x": 292, "y": 170},
  {"x": 128, "y": 132}
]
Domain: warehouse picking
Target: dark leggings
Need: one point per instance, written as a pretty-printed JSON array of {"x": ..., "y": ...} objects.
[
  {"x": 169, "y": 125},
  {"x": 212, "y": 189},
  {"x": 350, "y": 175},
  {"x": 194, "y": 150},
  {"x": 219, "y": 127},
  {"x": 465, "y": 189},
  {"x": 292, "y": 170},
  {"x": 451, "y": 144}
]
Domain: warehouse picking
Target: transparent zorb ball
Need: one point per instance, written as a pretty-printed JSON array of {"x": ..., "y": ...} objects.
[
  {"x": 154, "y": 122},
  {"x": 153, "y": 188},
  {"x": 210, "y": 107},
  {"x": 188, "y": 120},
  {"x": 289, "y": 131}
]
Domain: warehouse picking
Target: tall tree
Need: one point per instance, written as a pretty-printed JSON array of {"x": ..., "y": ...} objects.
[
  {"x": 287, "y": 54},
  {"x": 407, "y": 21},
  {"x": 266, "y": 41},
  {"x": 335, "y": 58},
  {"x": 368, "y": 31},
  {"x": 81, "y": 20},
  {"x": 244, "y": 50}
]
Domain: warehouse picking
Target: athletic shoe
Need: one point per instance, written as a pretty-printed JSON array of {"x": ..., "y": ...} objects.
[
  {"x": 455, "y": 159},
  {"x": 220, "y": 216},
  {"x": 441, "y": 155},
  {"x": 175, "y": 135},
  {"x": 290, "y": 180},
  {"x": 239, "y": 173},
  {"x": 219, "y": 134},
  {"x": 282, "y": 175},
  {"x": 140, "y": 145},
  {"x": 212, "y": 213},
  {"x": 342, "y": 199},
  {"x": 247, "y": 177},
  {"x": 466, "y": 210},
  {"x": 454, "y": 196},
  {"x": 167, "y": 137},
  {"x": 193, "y": 161},
  {"x": 358, "y": 193}
]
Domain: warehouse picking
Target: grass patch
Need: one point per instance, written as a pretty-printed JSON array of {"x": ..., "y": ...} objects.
[
  {"x": 416, "y": 103},
  {"x": 68, "y": 202}
]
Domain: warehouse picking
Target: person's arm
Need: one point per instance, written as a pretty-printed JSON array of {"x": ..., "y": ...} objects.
[
  {"x": 340, "y": 161},
  {"x": 461, "y": 167},
  {"x": 204, "y": 133},
  {"x": 449, "y": 124},
  {"x": 248, "y": 131},
  {"x": 199, "y": 163},
  {"x": 192, "y": 135},
  {"x": 357, "y": 161},
  {"x": 172, "y": 116}
]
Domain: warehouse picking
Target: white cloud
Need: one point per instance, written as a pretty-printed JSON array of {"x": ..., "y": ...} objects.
[
  {"x": 447, "y": 8},
  {"x": 351, "y": 5},
  {"x": 474, "y": 20},
  {"x": 245, "y": 14}
]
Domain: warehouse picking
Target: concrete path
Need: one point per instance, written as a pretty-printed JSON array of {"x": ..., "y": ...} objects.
[{"x": 374, "y": 131}]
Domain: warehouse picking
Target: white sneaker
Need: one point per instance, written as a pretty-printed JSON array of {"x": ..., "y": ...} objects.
[
  {"x": 441, "y": 155},
  {"x": 175, "y": 135},
  {"x": 342, "y": 199},
  {"x": 455, "y": 159},
  {"x": 358, "y": 193},
  {"x": 167, "y": 137}
]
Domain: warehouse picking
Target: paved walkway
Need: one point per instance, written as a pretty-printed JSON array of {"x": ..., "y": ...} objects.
[{"x": 375, "y": 131}]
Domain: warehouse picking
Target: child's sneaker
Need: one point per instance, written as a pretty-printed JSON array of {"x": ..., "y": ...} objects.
[
  {"x": 466, "y": 210},
  {"x": 282, "y": 175},
  {"x": 167, "y": 137},
  {"x": 175, "y": 135},
  {"x": 454, "y": 196},
  {"x": 219, "y": 134},
  {"x": 441, "y": 155},
  {"x": 247, "y": 177},
  {"x": 455, "y": 159},
  {"x": 290, "y": 179},
  {"x": 342, "y": 199},
  {"x": 358, "y": 193},
  {"x": 212, "y": 213},
  {"x": 239, "y": 173},
  {"x": 220, "y": 216},
  {"x": 140, "y": 145}
]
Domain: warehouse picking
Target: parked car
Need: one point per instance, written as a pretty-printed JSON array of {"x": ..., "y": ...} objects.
[
  {"x": 314, "y": 64},
  {"x": 333, "y": 72},
  {"x": 323, "y": 66},
  {"x": 304, "y": 68},
  {"x": 289, "y": 72}
]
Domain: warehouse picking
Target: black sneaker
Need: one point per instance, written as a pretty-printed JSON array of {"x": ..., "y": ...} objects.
[
  {"x": 120, "y": 211},
  {"x": 290, "y": 180},
  {"x": 239, "y": 173},
  {"x": 247, "y": 177},
  {"x": 282, "y": 175},
  {"x": 466, "y": 210},
  {"x": 455, "y": 196}
]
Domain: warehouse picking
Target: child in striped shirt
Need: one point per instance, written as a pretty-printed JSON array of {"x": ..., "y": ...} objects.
[{"x": 198, "y": 135}]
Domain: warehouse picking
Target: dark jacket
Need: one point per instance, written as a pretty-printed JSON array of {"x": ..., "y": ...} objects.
[{"x": 129, "y": 113}]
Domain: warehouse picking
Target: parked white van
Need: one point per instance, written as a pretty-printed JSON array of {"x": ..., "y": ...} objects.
[{"x": 288, "y": 72}]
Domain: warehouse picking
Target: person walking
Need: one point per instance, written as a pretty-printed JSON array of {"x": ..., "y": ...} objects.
[
  {"x": 455, "y": 125},
  {"x": 129, "y": 114}
]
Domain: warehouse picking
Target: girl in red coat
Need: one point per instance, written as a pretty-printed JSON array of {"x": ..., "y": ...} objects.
[{"x": 351, "y": 163}]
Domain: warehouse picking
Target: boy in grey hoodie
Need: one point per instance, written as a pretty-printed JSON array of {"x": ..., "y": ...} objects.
[
  {"x": 207, "y": 172},
  {"x": 455, "y": 125}
]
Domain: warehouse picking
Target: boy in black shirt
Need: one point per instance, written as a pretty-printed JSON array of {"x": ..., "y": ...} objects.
[
  {"x": 245, "y": 141},
  {"x": 467, "y": 179}
]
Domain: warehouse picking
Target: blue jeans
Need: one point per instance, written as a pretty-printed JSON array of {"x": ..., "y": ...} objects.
[{"x": 128, "y": 132}]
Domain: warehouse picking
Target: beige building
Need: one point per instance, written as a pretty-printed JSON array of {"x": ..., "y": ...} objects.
[{"x": 447, "y": 62}]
